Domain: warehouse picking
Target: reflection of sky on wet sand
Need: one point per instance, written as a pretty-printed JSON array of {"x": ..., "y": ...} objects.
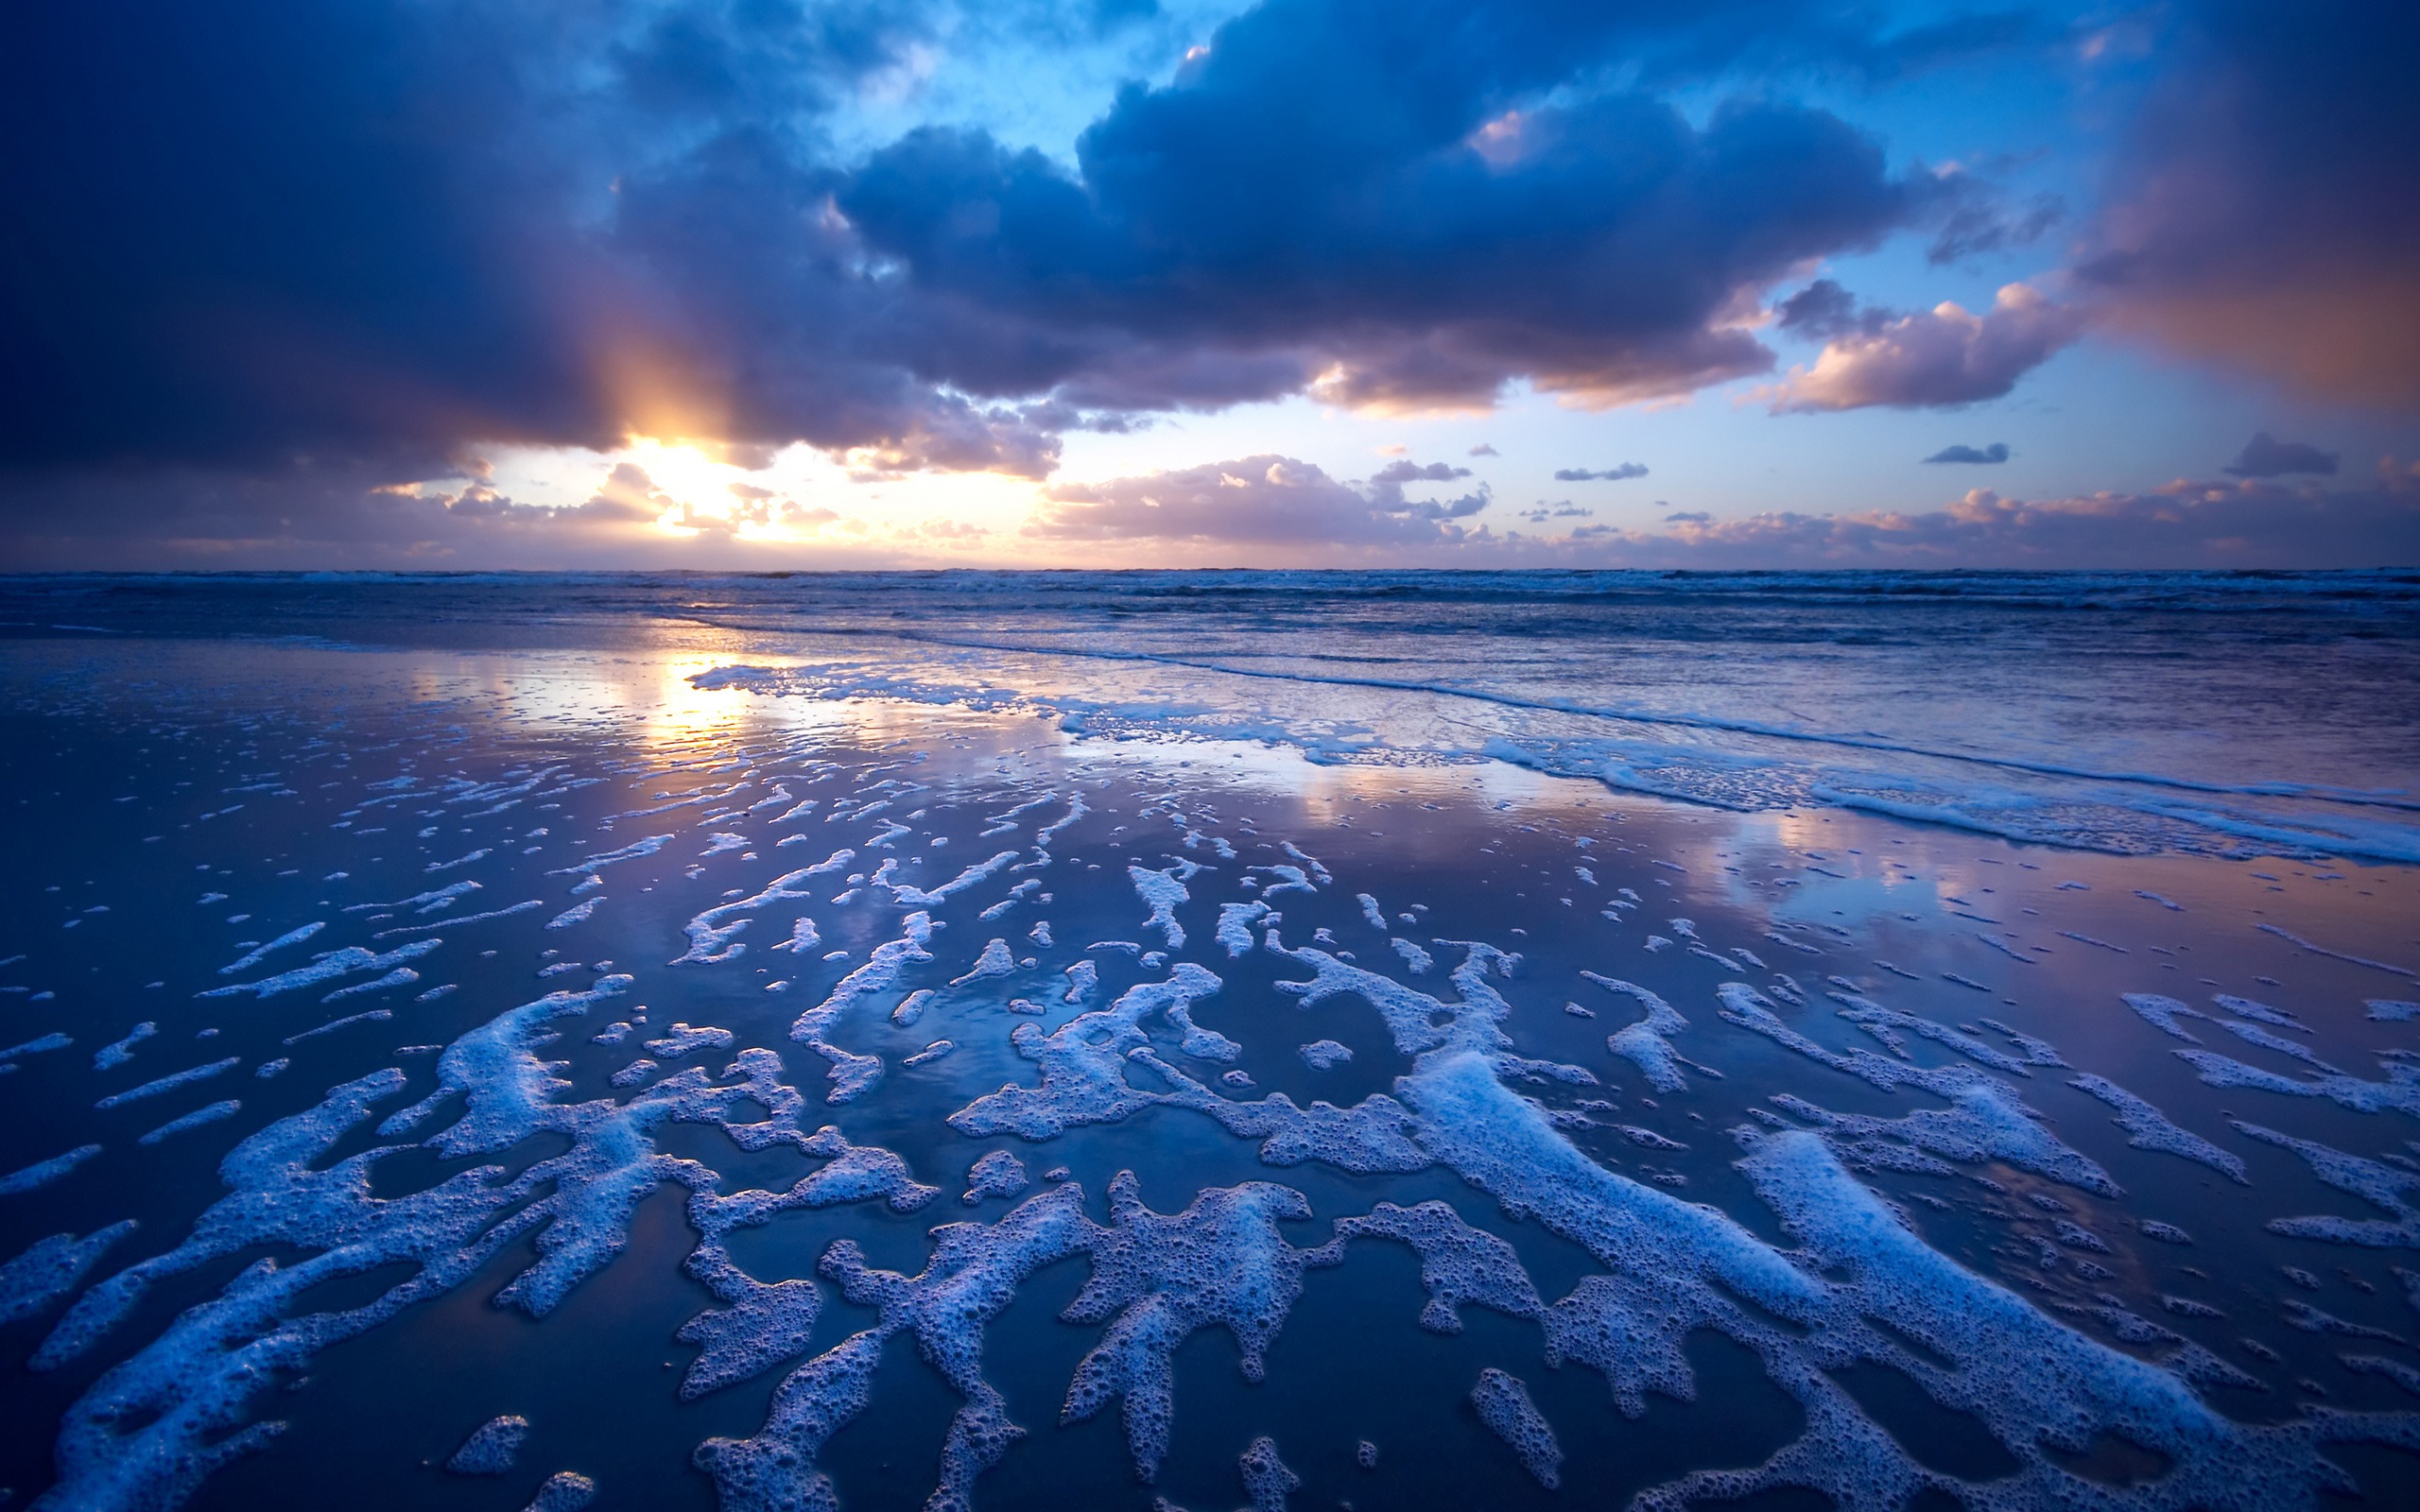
[{"x": 1474, "y": 850}]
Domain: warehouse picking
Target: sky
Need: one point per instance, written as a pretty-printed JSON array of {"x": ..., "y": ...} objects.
[{"x": 760, "y": 284}]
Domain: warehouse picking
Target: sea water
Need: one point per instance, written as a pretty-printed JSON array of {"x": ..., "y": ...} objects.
[{"x": 1206, "y": 1039}]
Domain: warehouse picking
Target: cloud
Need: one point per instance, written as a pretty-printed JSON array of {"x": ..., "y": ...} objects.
[
  {"x": 1409, "y": 472},
  {"x": 1397, "y": 206},
  {"x": 377, "y": 234},
  {"x": 315, "y": 513},
  {"x": 1264, "y": 500},
  {"x": 2265, "y": 456},
  {"x": 1982, "y": 226},
  {"x": 2185, "y": 525},
  {"x": 1941, "y": 357},
  {"x": 1996, "y": 451},
  {"x": 1611, "y": 474},
  {"x": 2225, "y": 524},
  {"x": 1483, "y": 448},
  {"x": 2265, "y": 211},
  {"x": 1822, "y": 309},
  {"x": 381, "y": 228},
  {"x": 1275, "y": 501}
]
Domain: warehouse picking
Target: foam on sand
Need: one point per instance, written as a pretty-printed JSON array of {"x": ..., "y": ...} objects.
[
  {"x": 710, "y": 935},
  {"x": 328, "y": 967},
  {"x": 491, "y": 1447},
  {"x": 1504, "y": 1405},
  {"x": 43, "y": 1173},
  {"x": 911, "y": 897},
  {"x": 1162, "y": 891},
  {"x": 1644, "y": 1044},
  {"x": 1457, "y": 1263},
  {"x": 972, "y": 1275},
  {"x": 50, "y": 1268},
  {"x": 1984, "y": 1122},
  {"x": 2148, "y": 1128},
  {"x": 1159, "y": 1278}
]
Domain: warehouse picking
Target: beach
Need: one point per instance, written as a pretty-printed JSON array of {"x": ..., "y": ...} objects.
[{"x": 1030, "y": 1040}]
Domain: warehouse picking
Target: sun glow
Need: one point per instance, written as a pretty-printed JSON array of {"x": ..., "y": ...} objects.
[{"x": 798, "y": 500}]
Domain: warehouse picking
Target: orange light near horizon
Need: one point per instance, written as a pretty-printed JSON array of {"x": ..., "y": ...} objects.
[{"x": 657, "y": 393}]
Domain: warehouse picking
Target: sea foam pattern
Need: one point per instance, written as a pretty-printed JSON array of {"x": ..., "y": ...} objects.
[{"x": 1896, "y": 1156}]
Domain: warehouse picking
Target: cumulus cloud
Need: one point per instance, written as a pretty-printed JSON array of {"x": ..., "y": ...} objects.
[
  {"x": 1397, "y": 206},
  {"x": 1262, "y": 500},
  {"x": 370, "y": 234},
  {"x": 2265, "y": 456},
  {"x": 1611, "y": 474},
  {"x": 1996, "y": 451},
  {"x": 2266, "y": 209},
  {"x": 1941, "y": 357}
]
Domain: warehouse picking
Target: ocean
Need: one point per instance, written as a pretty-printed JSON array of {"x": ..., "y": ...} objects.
[{"x": 1201, "y": 1039}]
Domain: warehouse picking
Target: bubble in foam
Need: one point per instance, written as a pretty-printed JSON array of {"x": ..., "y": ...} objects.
[
  {"x": 996, "y": 960},
  {"x": 43, "y": 1173},
  {"x": 1162, "y": 892},
  {"x": 880, "y": 973},
  {"x": 973, "y": 1274},
  {"x": 1504, "y": 1406},
  {"x": 1984, "y": 1122},
  {"x": 50, "y": 1268},
  {"x": 1267, "y": 1481},
  {"x": 1887, "y": 1025},
  {"x": 2148, "y": 1128},
  {"x": 1159, "y": 1278},
  {"x": 1321, "y": 1054},
  {"x": 491, "y": 1448},
  {"x": 1457, "y": 1263},
  {"x": 685, "y": 1039},
  {"x": 2399, "y": 1092},
  {"x": 998, "y": 1174},
  {"x": 2389, "y": 1189},
  {"x": 2162, "y": 1013},
  {"x": 564, "y": 1491},
  {"x": 211, "y": 1113},
  {"x": 1083, "y": 1063},
  {"x": 1643, "y": 1044}
]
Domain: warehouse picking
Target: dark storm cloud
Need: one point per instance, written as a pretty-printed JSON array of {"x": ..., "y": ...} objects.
[
  {"x": 1371, "y": 197},
  {"x": 1611, "y": 474},
  {"x": 2265, "y": 456},
  {"x": 278, "y": 231},
  {"x": 1984, "y": 455},
  {"x": 2267, "y": 209},
  {"x": 271, "y": 229}
]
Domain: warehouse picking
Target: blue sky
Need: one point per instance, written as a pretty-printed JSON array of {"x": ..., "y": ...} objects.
[{"x": 756, "y": 284}]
